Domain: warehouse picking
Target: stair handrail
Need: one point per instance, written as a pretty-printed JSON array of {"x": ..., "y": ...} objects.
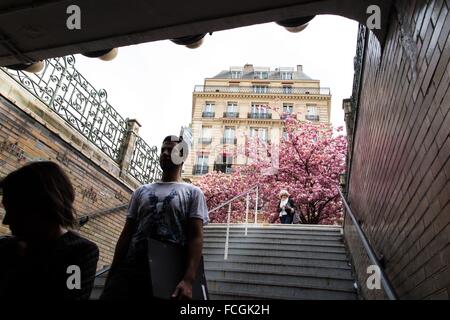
[
  {"x": 386, "y": 284},
  {"x": 247, "y": 193}
]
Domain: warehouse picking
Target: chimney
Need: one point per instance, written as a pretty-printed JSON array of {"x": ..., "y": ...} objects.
[
  {"x": 299, "y": 67},
  {"x": 248, "y": 68}
]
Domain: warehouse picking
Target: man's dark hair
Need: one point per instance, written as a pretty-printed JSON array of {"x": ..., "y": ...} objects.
[
  {"x": 176, "y": 139},
  {"x": 42, "y": 188},
  {"x": 173, "y": 138}
]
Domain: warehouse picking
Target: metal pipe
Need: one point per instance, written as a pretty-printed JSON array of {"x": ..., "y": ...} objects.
[
  {"x": 225, "y": 256},
  {"x": 390, "y": 292},
  {"x": 256, "y": 205},
  {"x": 246, "y": 212},
  {"x": 232, "y": 199}
]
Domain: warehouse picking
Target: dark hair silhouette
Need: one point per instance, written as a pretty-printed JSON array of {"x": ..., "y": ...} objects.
[
  {"x": 39, "y": 188},
  {"x": 176, "y": 140}
]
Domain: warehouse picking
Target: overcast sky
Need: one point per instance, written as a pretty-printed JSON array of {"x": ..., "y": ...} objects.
[{"x": 153, "y": 82}]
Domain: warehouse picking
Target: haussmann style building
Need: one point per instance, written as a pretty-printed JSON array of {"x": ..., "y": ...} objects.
[{"x": 239, "y": 103}]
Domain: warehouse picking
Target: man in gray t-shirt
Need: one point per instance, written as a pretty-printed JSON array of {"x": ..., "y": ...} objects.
[{"x": 169, "y": 211}]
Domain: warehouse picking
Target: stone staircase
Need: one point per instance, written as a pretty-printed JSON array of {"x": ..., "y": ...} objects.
[
  {"x": 278, "y": 262},
  {"x": 294, "y": 262}
]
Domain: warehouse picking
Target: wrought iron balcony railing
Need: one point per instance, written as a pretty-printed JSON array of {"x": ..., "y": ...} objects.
[
  {"x": 284, "y": 116},
  {"x": 205, "y": 140},
  {"x": 223, "y": 167},
  {"x": 231, "y": 114},
  {"x": 256, "y": 115},
  {"x": 229, "y": 140},
  {"x": 269, "y": 90},
  {"x": 199, "y": 169},
  {"x": 86, "y": 109},
  {"x": 312, "y": 117},
  {"x": 208, "y": 114}
]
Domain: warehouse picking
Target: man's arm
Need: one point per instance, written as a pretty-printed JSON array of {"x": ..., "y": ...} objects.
[
  {"x": 195, "y": 245},
  {"x": 123, "y": 242}
]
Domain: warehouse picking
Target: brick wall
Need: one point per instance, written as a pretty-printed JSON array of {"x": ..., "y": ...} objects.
[
  {"x": 29, "y": 131},
  {"x": 399, "y": 180}
]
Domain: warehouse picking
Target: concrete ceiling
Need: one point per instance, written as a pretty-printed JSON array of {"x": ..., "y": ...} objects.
[{"x": 35, "y": 30}]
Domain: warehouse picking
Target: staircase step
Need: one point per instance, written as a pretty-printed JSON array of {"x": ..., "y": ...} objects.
[
  {"x": 275, "y": 247},
  {"x": 298, "y": 278},
  {"x": 273, "y": 241},
  {"x": 274, "y": 231},
  {"x": 278, "y": 253},
  {"x": 343, "y": 274},
  {"x": 285, "y": 261},
  {"x": 301, "y": 236},
  {"x": 271, "y": 290}
]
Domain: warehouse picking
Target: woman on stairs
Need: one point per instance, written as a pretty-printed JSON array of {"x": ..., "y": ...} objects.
[{"x": 286, "y": 207}]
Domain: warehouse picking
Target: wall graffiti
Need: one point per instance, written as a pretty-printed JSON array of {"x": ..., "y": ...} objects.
[
  {"x": 13, "y": 149},
  {"x": 89, "y": 194}
]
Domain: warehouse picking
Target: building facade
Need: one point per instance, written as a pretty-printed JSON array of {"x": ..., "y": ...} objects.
[{"x": 246, "y": 102}]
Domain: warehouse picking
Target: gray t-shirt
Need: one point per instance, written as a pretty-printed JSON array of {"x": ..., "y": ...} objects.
[{"x": 162, "y": 210}]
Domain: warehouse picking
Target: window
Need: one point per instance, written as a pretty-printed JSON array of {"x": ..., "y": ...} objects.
[
  {"x": 232, "y": 107},
  {"x": 288, "y": 108},
  {"x": 209, "y": 106},
  {"x": 206, "y": 132},
  {"x": 259, "y": 108},
  {"x": 287, "y": 89},
  {"x": 260, "y": 89},
  {"x": 202, "y": 161},
  {"x": 234, "y": 87},
  {"x": 311, "y": 109},
  {"x": 236, "y": 74},
  {"x": 261, "y": 75},
  {"x": 229, "y": 133},
  {"x": 312, "y": 112},
  {"x": 285, "y": 134},
  {"x": 286, "y": 75},
  {"x": 260, "y": 133}
]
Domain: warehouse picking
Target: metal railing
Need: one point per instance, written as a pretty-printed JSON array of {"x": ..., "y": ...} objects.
[
  {"x": 231, "y": 114},
  {"x": 312, "y": 117},
  {"x": 387, "y": 286},
  {"x": 259, "y": 115},
  {"x": 62, "y": 88},
  {"x": 204, "y": 140},
  {"x": 144, "y": 164},
  {"x": 229, "y": 140},
  {"x": 228, "y": 202},
  {"x": 65, "y": 91},
  {"x": 208, "y": 114},
  {"x": 268, "y": 90},
  {"x": 199, "y": 169},
  {"x": 85, "y": 218}
]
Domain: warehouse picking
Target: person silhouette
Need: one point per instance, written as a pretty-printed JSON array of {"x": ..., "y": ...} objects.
[
  {"x": 169, "y": 211},
  {"x": 42, "y": 259}
]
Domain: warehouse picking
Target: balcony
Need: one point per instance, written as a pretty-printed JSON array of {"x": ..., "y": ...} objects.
[
  {"x": 285, "y": 116},
  {"x": 231, "y": 114},
  {"x": 256, "y": 115},
  {"x": 204, "y": 140},
  {"x": 269, "y": 90},
  {"x": 312, "y": 117},
  {"x": 223, "y": 167},
  {"x": 199, "y": 169},
  {"x": 208, "y": 114},
  {"x": 229, "y": 140}
]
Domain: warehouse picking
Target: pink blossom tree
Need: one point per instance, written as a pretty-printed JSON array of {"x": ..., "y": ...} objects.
[{"x": 307, "y": 162}]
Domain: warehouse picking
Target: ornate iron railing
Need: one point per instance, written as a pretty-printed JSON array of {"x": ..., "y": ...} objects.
[
  {"x": 267, "y": 90},
  {"x": 64, "y": 90},
  {"x": 259, "y": 115},
  {"x": 144, "y": 165},
  {"x": 312, "y": 117}
]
